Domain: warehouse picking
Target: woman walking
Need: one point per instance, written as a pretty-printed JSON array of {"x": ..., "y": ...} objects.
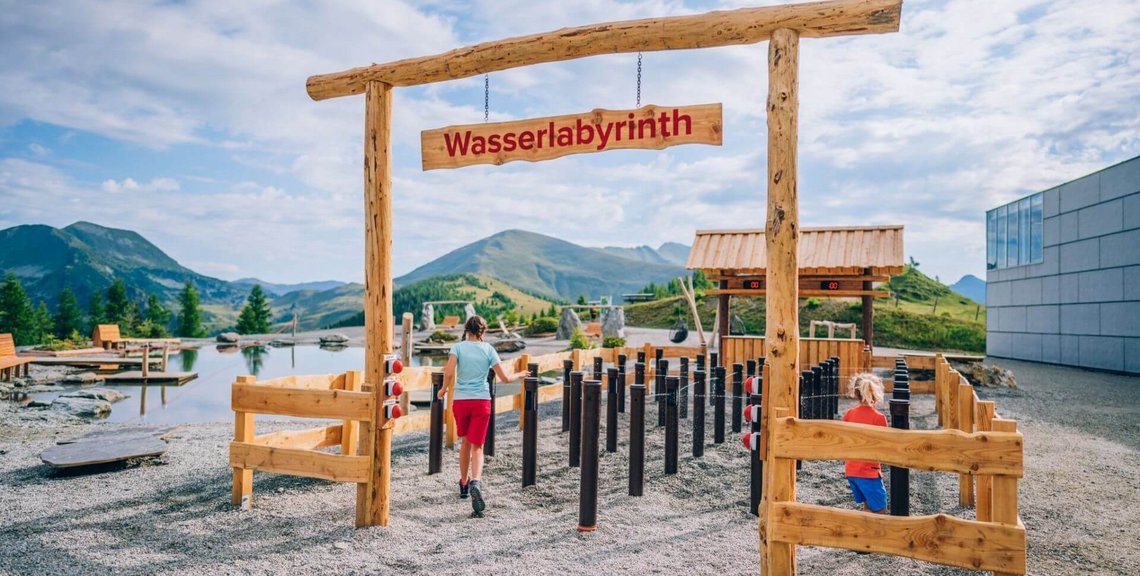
[{"x": 468, "y": 361}]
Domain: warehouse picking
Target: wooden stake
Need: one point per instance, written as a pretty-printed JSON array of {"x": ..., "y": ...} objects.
[
  {"x": 243, "y": 432},
  {"x": 1004, "y": 500},
  {"x": 349, "y": 432},
  {"x": 377, "y": 290},
  {"x": 406, "y": 357},
  {"x": 984, "y": 507},
  {"x": 781, "y": 277}
]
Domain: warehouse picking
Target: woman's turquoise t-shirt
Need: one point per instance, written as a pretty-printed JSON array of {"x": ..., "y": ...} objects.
[{"x": 473, "y": 360}]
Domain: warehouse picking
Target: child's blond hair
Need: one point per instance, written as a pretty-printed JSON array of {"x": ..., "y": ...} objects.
[{"x": 866, "y": 388}]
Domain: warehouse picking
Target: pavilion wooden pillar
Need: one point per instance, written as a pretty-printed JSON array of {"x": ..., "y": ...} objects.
[
  {"x": 723, "y": 322},
  {"x": 372, "y": 496},
  {"x": 782, "y": 330},
  {"x": 868, "y": 312}
]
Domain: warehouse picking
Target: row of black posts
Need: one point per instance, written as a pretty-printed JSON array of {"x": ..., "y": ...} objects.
[{"x": 900, "y": 419}]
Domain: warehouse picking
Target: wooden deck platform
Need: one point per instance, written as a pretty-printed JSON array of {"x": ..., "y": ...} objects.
[
  {"x": 93, "y": 361},
  {"x": 155, "y": 377}
]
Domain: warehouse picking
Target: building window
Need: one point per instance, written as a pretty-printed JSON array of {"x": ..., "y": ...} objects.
[{"x": 1014, "y": 234}]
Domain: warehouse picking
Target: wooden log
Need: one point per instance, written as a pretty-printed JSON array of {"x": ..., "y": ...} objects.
[
  {"x": 336, "y": 404},
  {"x": 940, "y": 538},
  {"x": 307, "y": 463},
  {"x": 984, "y": 506},
  {"x": 243, "y": 432},
  {"x": 1004, "y": 500},
  {"x": 313, "y": 382},
  {"x": 310, "y": 439},
  {"x": 931, "y": 450},
  {"x": 377, "y": 294},
  {"x": 350, "y": 437},
  {"x": 966, "y": 401},
  {"x": 719, "y": 28},
  {"x": 521, "y": 363}
]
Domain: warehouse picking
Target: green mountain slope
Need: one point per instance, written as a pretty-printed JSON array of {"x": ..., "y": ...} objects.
[
  {"x": 548, "y": 266},
  {"x": 88, "y": 257}
]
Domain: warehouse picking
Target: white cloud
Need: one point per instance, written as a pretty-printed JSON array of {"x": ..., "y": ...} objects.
[
  {"x": 131, "y": 185},
  {"x": 38, "y": 149}
]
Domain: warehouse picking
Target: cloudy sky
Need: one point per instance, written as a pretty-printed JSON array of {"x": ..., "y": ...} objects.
[{"x": 189, "y": 123}]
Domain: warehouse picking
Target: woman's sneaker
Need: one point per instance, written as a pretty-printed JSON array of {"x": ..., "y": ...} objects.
[
  {"x": 477, "y": 503},
  {"x": 463, "y": 488}
]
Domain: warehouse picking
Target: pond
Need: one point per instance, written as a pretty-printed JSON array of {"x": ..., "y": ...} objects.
[{"x": 207, "y": 397}]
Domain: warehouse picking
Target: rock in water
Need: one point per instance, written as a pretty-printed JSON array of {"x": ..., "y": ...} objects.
[
  {"x": 83, "y": 378},
  {"x": 228, "y": 337},
  {"x": 511, "y": 345},
  {"x": 614, "y": 324},
  {"x": 334, "y": 339},
  {"x": 567, "y": 324},
  {"x": 84, "y": 407},
  {"x": 96, "y": 394}
]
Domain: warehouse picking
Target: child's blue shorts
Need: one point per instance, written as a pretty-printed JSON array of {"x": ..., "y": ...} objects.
[{"x": 869, "y": 490}]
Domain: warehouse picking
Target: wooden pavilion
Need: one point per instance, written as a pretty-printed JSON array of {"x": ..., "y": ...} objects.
[{"x": 834, "y": 262}]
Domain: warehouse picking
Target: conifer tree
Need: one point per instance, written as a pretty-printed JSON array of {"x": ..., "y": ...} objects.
[
  {"x": 41, "y": 323},
  {"x": 68, "y": 316},
  {"x": 96, "y": 311},
  {"x": 16, "y": 313},
  {"x": 189, "y": 316},
  {"x": 254, "y": 317},
  {"x": 119, "y": 305},
  {"x": 157, "y": 316}
]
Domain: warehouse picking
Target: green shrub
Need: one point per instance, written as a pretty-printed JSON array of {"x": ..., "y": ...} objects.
[
  {"x": 439, "y": 337},
  {"x": 579, "y": 341},
  {"x": 812, "y": 303},
  {"x": 613, "y": 342},
  {"x": 543, "y": 325}
]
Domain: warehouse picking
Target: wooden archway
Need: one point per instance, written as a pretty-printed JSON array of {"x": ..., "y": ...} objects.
[{"x": 782, "y": 26}]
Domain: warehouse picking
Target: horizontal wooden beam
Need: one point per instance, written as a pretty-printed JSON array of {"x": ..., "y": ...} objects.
[
  {"x": 718, "y": 28},
  {"x": 317, "y": 382},
  {"x": 310, "y": 439},
  {"x": 803, "y": 293},
  {"x": 307, "y": 463},
  {"x": 333, "y": 404},
  {"x": 995, "y": 453},
  {"x": 940, "y": 538},
  {"x": 803, "y": 278}
]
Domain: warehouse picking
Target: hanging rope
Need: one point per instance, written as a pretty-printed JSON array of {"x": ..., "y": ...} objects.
[
  {"x": 486, "y": 97},
  {"x": 638, "y": 80}
]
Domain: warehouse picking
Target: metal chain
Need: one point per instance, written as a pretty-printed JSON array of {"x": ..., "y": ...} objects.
[
  {"x": 638, "y": 80},
  {"x": 486, "y": 97}
]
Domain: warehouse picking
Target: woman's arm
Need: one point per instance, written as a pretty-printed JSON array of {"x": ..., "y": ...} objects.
[
  {"x": 448, "y": 376},
  {"x": 504, "y": 376}
]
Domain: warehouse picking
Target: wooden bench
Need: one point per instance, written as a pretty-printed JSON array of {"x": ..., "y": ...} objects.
[
  {"x": 449, "y": 322},
  {"x": 594, "y": 329},
  {"x": 10, "y": 363},
  {"x": 108, "y": 337}
]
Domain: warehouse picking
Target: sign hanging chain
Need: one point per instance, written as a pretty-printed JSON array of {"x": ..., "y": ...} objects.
[
  {"x": 486, "y": 97},
  {"x": 638, "y": 80}
]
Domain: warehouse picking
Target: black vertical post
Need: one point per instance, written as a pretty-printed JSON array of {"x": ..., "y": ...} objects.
[
  {"x": 698, "y": 412},
  {"x": 622, "y": 360},
  {"x": 821, "y": 389},
  {"x": 714, "y": 362},
  {"x": 575, "y": 418},
  {"x": 591, "y": 424},
  {"x": 749, "y": 370},
  {"x": 435, "y": 436},
  {"x": 489, "y": 439},
  {"x": 672, "y": 385},
  {"x": 659, "y": 392},
  {"x": 807, "y": 392},
  {"x": 683, "y": 391},
  {"x": 598, "y": 368},
  {"x": 900, "y": 477},
  {"x": 530, "y": 430},
  {"x": 756, "y": 466},
  {"x": 718, "y": 405},
  {"x": 637, "y": 434},
  {"x": 700, "y": 362},
  {"x": 567, "y": 367},
  {"x": 641, "y": 356},
  {"x": 836, "y": 388},
  {"x": 612, "y": 410},
  {"x": 737, "y": 398}
]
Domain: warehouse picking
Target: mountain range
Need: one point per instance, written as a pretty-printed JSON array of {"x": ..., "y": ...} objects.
[
  {"x": 971, "y": 287},
  {"x": 282, "y": 289}
]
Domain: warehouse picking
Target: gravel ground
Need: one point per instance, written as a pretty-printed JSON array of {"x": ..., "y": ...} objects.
[{"x": 172, "y": 515}]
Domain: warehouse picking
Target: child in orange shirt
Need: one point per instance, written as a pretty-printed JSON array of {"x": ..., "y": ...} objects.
[{"x": 866, "y": 478}]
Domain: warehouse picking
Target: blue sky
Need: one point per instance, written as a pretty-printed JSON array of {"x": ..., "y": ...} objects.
[{"x": 189, "y": 122}]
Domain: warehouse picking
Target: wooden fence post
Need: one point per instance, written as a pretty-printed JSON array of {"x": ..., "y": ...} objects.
[
  {"x": 243, "y": 432},
  {"x": 1005, "y": 490},
  {"x": 966, "y": 400},
  {"x": 984, "y": 506},
  {"x": 406, "y": 357},
  {"x": 782, "y": 278},
  {"x": 521, "y": 364},
  {"x": 349, "y": 431}
]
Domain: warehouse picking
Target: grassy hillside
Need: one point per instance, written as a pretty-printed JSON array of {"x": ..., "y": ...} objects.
[{"x": 912, "y": 324}]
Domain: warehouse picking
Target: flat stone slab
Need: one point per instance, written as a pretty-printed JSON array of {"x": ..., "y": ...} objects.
[
  {"x": 102, "y": 452},
  {"x": 118, "y": 434},
  {"x": 154, "y": 377}
]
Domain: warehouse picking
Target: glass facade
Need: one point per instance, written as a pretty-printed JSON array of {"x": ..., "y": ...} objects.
[{"x": 1013, "y": 234}]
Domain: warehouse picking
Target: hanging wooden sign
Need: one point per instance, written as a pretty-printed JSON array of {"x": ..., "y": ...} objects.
[{"x": 537, "y": 139}]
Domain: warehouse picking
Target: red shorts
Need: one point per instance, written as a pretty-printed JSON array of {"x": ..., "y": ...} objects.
[{"x": 471, "y": 418}]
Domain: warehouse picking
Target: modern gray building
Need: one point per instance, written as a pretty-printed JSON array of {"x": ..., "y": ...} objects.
[{"x": 1063, "y": 273}]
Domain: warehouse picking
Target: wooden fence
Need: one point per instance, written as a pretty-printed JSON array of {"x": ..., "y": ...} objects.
[
  {"x": 975, "y": 443},
  {"x": 852, "y": 357}
]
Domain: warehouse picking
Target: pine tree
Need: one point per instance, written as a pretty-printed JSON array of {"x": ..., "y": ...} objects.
[
  {"x": 119, "y": 305},
  {"x": 189, "y": 316},
  {"x": 41, "y": 323},
  {"x": 157, "y": 316},
  {"x": 16, "y": 313},
  {"x": 254, "y": 317},
  {"x": 68, "y": 316},
  {"x": 582, "y": 299},
  {"x": 96, "y": 312}
]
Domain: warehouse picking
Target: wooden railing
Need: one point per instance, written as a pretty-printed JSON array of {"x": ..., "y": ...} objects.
[{"x": 853, "y": 358}]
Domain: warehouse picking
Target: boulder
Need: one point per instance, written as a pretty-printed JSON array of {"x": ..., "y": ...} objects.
[
  {"x": 614, "y": 324},
  {"x": 334, "y": 339},
  {"x": 987, "y": 375},
  {"x": 82, "y": 378},
  {"x": 96, "y": 394},
  {"x": 37, "y": 404},
  {"x": 567, "y": 324},
  {"x": 510, "y": 345},
  {"x": 37, "y": 388},
  {"x": 228, "y": 337},
  {"x": 83, "y": 407}
]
